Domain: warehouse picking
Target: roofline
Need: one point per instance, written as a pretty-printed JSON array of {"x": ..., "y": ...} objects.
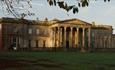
[{"x": 73, "y": 20}]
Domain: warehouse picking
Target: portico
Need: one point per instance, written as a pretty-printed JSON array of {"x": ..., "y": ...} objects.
[{"x": 74, "y": 36}]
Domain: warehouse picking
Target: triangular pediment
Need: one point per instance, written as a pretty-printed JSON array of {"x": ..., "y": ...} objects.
[{"x": 74, "y": 21}]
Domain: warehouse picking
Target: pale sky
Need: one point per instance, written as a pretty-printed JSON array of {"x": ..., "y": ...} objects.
[{"x": 98, "y": 12}]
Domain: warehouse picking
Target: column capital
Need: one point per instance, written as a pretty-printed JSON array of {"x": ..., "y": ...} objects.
[
  {"x": 89, "y": 28},
  {"x": 54, "y": 28},
  {"x": 58, "y": 28},
  {"x": 71, "y": 28},
  {"x": 83, "y": 28},
  {"x": 77, "y": 29},
  {"x": 65, "y": 28}
]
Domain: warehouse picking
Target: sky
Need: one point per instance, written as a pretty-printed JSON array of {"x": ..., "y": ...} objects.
[{"x": 98, "y": 11}]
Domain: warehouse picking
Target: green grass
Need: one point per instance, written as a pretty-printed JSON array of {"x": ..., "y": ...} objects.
[{"x": 61, "y": 60}]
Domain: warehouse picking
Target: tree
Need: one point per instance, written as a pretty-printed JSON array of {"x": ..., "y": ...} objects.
[
  {"x": 64, "y": 5},
  {"x": 20, "y": 8}
]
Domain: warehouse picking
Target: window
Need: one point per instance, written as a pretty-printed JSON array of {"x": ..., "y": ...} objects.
[
  {"x": 29, "y": 43},
  {"x": 37, "y": 31},
  {"x": 15, "y": 30},
  {"x": 0, "y": 26},
  {"x": 30, "y": 31},
  {"x": 44, "y": 43},
  {"x": 14, "y": 40},
  {"x": 36, "y": 43},
  {"x": 45, "y": 32},
  {"x": 14, "y": 43}
]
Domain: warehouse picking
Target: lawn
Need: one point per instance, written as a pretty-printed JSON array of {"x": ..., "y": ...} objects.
[{"x": 56, "y": 61}]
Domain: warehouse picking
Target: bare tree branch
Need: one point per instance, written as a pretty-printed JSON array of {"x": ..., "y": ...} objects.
[{"x": 18, "y": 8}]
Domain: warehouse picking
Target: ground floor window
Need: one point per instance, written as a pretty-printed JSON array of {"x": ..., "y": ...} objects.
[
  {"x": 37, "y": 43},
  {"x": 44, "y": 43},
  {"x": 29, "y": 43},
  {"x": 13, "y": 45}
]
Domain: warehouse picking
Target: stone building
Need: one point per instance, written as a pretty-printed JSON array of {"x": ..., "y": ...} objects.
[{"x": 65, "y": 34}]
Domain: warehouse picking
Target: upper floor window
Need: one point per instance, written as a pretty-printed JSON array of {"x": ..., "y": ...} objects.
[
  {"x": 45, "y": 32},
  {"x": 0, "y": 26},
  {"x": 30, "y": 31},
  {"x": 37, "y": 31},
  {"x": 93, "y": 34},
  {"x": 15, "y": 30}
]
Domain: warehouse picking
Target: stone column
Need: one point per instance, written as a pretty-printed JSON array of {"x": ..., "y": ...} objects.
[
  {"x": 58, "y": 37},
  {"x": 54, "y": 37},
  {"x": 89, "y": 38},
  {"x": 56, "y": 32},
  {"x": 77, "y": 37},
  {"x": 110, "y": 41},
  {"x": 64, "y": 36},
  {"x": 101, "y": 42},
  {"x": 83, "y": 37},
  {"x": 104, "y": 41},
  {"x": 83, "y": 41},
  {"x": 75, "y": 45},
  {"x": 95, "y": 41},
  {"x": 71, "y": 40}
]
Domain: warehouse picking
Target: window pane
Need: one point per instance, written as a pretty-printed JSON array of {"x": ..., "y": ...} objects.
[
  {"x": 37, "y": 31},
  {"x": 45, "y": 32},
  {"x": 30, "y": 31}
]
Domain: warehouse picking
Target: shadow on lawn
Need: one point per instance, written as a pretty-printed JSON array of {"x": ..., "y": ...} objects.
[
  {"x": 100, "y": 66},
  {"x": 9, "y": 63}
]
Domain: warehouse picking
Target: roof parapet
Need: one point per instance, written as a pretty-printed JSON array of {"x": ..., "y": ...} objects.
[{"x": 101, "y": 26}]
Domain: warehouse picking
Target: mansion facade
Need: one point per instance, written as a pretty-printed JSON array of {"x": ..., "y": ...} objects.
[{"x": 65, "y": 34}]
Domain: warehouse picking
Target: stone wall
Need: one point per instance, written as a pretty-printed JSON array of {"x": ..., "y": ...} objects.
[
  {"x": 113, "y": 41},
  {"x": 102, "y": 38}
]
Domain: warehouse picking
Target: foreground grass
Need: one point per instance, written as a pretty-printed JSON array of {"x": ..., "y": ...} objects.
[{"x": 61, "y": 60}]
